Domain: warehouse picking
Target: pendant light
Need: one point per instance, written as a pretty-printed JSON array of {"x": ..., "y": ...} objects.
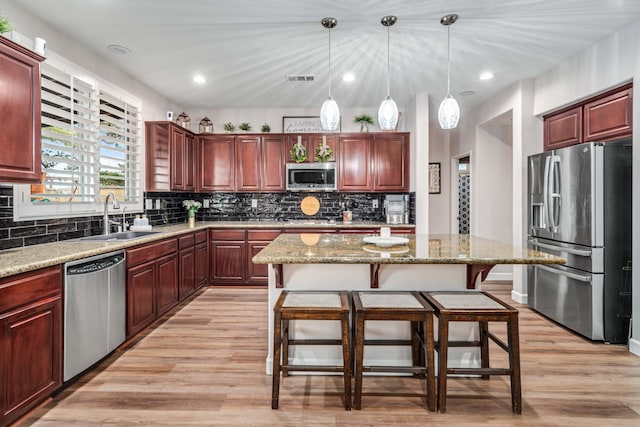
[
  {"x": 329, "y": 112},
  {"x": 449, "y": 111},
  {"x": 388, "y": 111}
]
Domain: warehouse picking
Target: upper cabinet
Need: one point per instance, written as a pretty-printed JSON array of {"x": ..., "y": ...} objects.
[
  {"x": 170, "y": 154},
  {"x": 19, "y": 113},
  {"x": 604, "y": 117},
  {"x": 355, "y": 163},
  {"x": 311, "y": 142},
  {"x": 216, "y": 163}
]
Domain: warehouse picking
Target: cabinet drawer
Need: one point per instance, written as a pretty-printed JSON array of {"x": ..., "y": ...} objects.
[
  {"x": 151, "y": 251},
  {"x": 227, "y": 235},
  {"x": 201, "y": 236},
  {"x": 262, "y": 235},
  {"x": 24, "y": 288},
  {"x": 186, "y": 241}
]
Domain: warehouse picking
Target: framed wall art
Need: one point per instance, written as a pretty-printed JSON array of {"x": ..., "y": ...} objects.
[
  {"x": 301, "y": 124},
  {"x": 434, "y": 178}
]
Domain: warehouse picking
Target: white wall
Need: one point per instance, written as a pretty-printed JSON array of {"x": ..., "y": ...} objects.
[
  {"x": 609, "y": 63},
  {"x": 418, "y": 124},
  {"x": 439, "y": 204}
]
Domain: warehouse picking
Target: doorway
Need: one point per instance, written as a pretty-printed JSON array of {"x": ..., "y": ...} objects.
[{"x": 464, "y": 195}]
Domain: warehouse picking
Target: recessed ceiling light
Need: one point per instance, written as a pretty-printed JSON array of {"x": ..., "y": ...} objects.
[
  {"x": 487, "y": 75},
  {"x": 348, "y": 77},
  {"x": 466, "y": 93},
  {"x": 199, "y": 78},
  {"x": 118, "y": 50}
]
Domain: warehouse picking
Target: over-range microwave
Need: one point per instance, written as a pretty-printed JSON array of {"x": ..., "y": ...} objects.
[{"x": 311, "y": 176}]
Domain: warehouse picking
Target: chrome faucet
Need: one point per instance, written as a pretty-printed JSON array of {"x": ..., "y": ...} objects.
[{"x": 105, "y": 220}]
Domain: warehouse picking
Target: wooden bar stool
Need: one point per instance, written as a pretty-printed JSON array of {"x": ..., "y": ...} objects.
[
  {"x": 482, "y": 308},
  {"x": 397, "y": 306},
  {"x": 293, "y": 305}
]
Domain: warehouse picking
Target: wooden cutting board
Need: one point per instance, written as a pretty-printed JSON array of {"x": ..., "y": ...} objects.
[{"x": 310, "y": 205}]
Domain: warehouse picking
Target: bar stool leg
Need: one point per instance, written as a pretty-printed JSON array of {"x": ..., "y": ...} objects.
[
  {"x": 514, "y": 364},
  {"x": 484, "y": 346},
  {"x": 357, "y": 401},
  {"x": 346, "y": 359},
  {"x": 443, "y": 344},
  {"x": 431, "y": 374},
  {"x": 277, "y": 343},
  {"x": 285, "y": 347},
  {"x": 415, "y": 346}
]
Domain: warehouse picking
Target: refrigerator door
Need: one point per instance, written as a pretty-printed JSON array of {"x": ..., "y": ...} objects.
[
  {"x": 574, "y": 195},
  {"x": 538, "y": 182},
  {"x": 571, "y": 297}
]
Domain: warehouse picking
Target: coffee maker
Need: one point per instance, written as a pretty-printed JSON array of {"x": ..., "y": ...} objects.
[{"x": 396, "y": 208}]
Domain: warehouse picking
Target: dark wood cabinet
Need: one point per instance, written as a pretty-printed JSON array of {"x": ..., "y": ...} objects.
[
  {"x": 169, "y": 157},
  {"x": 272, "y": 162},
  {"x": 19, "y": 113},
  {"x": 30, "y": 340},
  {"x": 152, "y": 283},
  {"x": 311, "y": 142},
  {"x": 201, "y": 258},
  {"x": 248, "y": 161},
  {"x": 231, "y": 253},
  {"x": 355, "y": 155},
  {"x": 186, "y": 265},
  {"x": 260, "y": 163},
  {"x": 391, "y": 162},
  {"x": 609, "y": 117},
  {"x": 601, "y": 118},
  {"x": 216, "y": 163}
]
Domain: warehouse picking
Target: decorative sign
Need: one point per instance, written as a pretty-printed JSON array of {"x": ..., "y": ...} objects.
[
  {"x": 434, "y": 178},
  {"x": 301, "y": 124}
]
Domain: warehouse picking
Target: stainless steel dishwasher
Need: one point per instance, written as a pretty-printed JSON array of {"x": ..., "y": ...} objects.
[{"x": 94, "y": 310}]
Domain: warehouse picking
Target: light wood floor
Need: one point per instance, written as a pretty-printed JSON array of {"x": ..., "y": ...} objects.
[{"x": 205, "y": 366}]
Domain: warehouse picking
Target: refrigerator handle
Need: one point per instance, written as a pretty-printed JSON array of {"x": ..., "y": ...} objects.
[
  {"x": 585, "y": 279},
  {"x": 554, "y": 192},
  {"x": 545, "y": 195},
  {"x": 571, "y": 251}
]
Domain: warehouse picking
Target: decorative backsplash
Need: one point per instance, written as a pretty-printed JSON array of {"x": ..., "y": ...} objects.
[{"x": 222, "y": 207}]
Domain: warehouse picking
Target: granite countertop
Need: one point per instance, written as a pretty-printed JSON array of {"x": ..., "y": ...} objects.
[
  {"x": 420, "y": 249},
  {"x": 29, "y": 258}
]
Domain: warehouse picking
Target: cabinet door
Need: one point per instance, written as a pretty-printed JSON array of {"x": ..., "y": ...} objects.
[
  {"x": 391, "y": 162},
  {"x": 273, "y": 160},
  {"x": 167, "y": 280},
  {"x": 19, "y": 113},
  {"x": 201, "y": 264},
  {"x": 315, "y": 141},
  {"x": 30, "y": 350},
  {"x": 157, "y": 148},
  {"x": 216, "y": 163},
  {"x": 256, "y": 241},
  {"x": 248, "y": 163},
  {"x": 189, "y": 162},
  {"x": 178, "y": 161},
  {"x": 141, "y": 307},
  {"x": 563, "y": 129},
  {"x": 227, "y": 261},
  {"x": 187, "y": 272},
  {"x": 609, "y": 117},
  {"x": 355, "y": 154}
]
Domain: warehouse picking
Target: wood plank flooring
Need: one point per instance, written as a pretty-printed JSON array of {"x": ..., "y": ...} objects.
[{"x": 205, "y": 366}]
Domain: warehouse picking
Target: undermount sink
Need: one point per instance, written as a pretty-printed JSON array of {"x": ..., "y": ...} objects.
[{"x": 124, "y": 235}]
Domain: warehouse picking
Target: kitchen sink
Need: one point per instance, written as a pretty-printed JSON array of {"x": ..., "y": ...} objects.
[{"x": 124, "y": 235}]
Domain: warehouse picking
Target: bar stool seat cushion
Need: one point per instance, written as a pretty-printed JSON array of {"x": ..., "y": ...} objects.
[
  {"x": 389, "y": 300},
  {"x": 468, "y": 301},
  {"x": 312, "y": 299}
]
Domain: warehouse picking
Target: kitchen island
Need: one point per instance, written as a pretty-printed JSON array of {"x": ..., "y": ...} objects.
[{"x": 347, "y": 262}]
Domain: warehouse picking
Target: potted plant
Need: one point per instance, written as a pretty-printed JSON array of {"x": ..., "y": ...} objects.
[
  {"x": 192, "y": 206},
  {"x": 4, "y": 25},
  {"x": 266, "y": 128},
  {"x": 229, "y": 127},
  {"x": 246, "y": 127},
  {"x": 365, "y": 120}
]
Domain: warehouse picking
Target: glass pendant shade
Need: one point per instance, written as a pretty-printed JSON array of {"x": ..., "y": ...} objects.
[
  {"x": 388, "y": 114},
  {"x": 449, "y": 112},
  {"x": 330, "y": 115}
]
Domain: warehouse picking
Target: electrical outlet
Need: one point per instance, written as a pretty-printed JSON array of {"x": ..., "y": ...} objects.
[
  {"x": 205, "y": 203},
  {"x": 157, "y": 203},
  {"x": 148, "y": 204},
  {"x": 254, "y": 203},
  {"x": 374, "y": 203}
]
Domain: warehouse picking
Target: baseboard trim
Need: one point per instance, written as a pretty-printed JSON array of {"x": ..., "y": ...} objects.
[
  {"x": 634, "y": 346},
  {"x": 499, "y": 277},
  {"x": 519, "y": 297}
]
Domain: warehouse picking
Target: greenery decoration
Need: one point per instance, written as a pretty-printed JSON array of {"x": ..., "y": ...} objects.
[
  {"x": 298, "y": 153},
  {"x": 266, "y": 128},
  {"x": 323, "y": 153},
  {"x": 244, "y": 126},
  {"x": 4, "y": 25},
  {"x": 229, "y": 127},
  {"x": 364, "y": 117}
]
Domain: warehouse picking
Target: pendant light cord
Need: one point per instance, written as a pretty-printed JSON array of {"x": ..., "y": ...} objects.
[
  {"x": 388, "y": 72},
  {"x": 448, "y": 58},
  {"x": 329, "y": 62}
]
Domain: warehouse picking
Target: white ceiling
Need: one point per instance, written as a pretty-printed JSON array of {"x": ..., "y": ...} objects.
[{"x": 246, "y": 47}]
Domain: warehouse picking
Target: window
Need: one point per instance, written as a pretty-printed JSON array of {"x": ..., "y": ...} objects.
[{"x": 91, "y": 146}]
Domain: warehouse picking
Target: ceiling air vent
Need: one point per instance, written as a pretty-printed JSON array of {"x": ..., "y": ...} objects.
[{"x": 299, "y": 77}]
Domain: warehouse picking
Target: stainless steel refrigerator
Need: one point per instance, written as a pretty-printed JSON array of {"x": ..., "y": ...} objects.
[{"x": 580, "y": 208}]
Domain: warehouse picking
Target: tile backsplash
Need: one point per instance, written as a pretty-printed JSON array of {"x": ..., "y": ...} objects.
[{"x": 222, "y": 207}]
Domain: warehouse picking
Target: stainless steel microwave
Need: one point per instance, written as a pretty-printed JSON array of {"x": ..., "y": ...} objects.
[{"x": 311, "y": 176}]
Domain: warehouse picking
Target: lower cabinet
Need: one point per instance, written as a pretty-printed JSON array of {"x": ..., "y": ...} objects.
[
  {"x": 201, "y": 258},
  {"x": 152, "y": 283},
  {"x": 231, "y": 253},
  {"x": 30, "y": 340},
  {"x": 187, "y": 265}
]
